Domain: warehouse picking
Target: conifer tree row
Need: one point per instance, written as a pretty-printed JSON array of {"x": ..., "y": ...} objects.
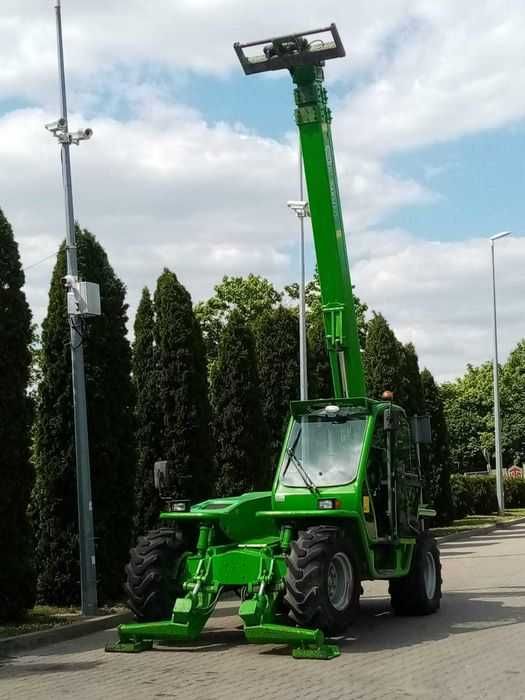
[
  {"x": 110, "y": 423},
  {"x": 17, "y": 576}
]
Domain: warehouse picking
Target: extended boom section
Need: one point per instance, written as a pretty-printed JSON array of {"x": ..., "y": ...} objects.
[{"x": 304, "y": 59}]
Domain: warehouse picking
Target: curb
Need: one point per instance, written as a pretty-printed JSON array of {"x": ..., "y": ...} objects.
[
  {"x": 477, "y": 530},
  {"x": 32, "y": 640}
]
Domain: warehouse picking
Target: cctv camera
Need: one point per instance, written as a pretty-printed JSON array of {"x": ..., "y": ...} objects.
[
  {"x": 80, "y": 135},
  {"x": 59, "y": 125},
  {"x": 69, "y": 281}
]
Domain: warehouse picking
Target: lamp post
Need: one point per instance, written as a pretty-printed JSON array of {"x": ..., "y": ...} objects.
[
  {"x": 497, "y": 426},
  {"x": 77, "y": 309},
  {"x": 300, "y": 207}
]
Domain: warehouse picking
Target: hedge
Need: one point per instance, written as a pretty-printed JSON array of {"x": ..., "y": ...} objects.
[{"x": 476, "y": 495}]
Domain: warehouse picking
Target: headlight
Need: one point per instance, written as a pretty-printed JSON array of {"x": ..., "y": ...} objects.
[
  {"x": 180, "y": 506},
  {"x": 328, "y": 504}
]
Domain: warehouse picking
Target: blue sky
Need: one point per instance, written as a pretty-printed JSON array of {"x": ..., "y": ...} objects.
[{"x": 479, "y": 182}]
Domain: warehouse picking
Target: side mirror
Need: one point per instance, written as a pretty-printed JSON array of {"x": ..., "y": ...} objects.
[{"x": 421, "y": 430}]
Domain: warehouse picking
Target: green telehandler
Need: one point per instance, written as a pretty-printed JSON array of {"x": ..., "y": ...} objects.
[{"x": 346, "y": 503}]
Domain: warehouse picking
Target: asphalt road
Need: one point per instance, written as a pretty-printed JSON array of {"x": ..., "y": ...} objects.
[{"x": 474, "y": 648}]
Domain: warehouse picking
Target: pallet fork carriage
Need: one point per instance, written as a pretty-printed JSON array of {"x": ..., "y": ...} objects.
[{"x": 346, "y": 503}]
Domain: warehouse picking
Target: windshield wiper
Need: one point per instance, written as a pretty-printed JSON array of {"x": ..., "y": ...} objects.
[{"x": 302, "y": 471}]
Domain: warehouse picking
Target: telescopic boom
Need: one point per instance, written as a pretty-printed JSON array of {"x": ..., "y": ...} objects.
[{"x": 304, "y": 58}]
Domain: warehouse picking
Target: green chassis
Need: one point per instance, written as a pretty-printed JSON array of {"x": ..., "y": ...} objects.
[{"x": 242, "y": 543}]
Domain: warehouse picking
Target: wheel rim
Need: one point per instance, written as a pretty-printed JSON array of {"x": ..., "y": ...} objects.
[
  {"x": 340, "y": 581},
  {"x": 430, "y": 575}
]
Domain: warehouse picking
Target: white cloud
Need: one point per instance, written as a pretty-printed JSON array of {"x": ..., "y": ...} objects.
[
  {"x": 170, "y": 189},
  {"x": 439, "y": 295},
  {"x": 165, "y": 187}
]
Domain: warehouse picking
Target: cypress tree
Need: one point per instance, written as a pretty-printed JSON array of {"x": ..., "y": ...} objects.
[
  {"x": 383, "y": 359},
  {"x": 110, "y": 423},
  {"x": 277, "y": 347},
  {"x": 147, "y": 415},
  {"x": 17, "y": 579},
  {"x": 411, "y": 391},
  {"x": 239, "y": 427},
  {"x": 436, "y": 456},
  {"x": 183, "y": 389}
]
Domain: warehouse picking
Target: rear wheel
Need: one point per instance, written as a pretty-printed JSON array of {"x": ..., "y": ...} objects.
[
  {"x": 419, "y": 593},
  {"x": 151, "y": 574},
  {"x": 322, "y": 582}
]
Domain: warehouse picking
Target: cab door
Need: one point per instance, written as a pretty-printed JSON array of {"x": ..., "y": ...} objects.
[
  {"x": 407, "y": 479},
  {"x": 379, "y": 484}
]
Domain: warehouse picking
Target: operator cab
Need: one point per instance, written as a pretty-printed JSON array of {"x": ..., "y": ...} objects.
[
  {"x": 324, "y": 447},
  {"x": 359, "y": 455}
]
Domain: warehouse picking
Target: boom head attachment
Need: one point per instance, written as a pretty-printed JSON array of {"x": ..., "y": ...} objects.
[{"x": 291, "y": 50}]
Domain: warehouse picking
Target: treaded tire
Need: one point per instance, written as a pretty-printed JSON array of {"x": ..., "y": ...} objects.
[
  {"x": 409, "y": 595},
  {"x": 310, "y": 561},
  {"x": 151, "y": 585}
]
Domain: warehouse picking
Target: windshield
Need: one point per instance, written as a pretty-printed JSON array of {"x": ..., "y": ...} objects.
[{"x": 327, "y": 449}]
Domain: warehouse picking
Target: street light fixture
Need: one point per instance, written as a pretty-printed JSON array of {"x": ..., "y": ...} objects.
[{"x": 497, "y": 425}]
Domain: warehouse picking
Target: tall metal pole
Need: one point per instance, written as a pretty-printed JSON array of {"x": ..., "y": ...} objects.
[
  {"x": 495, "y": 370},
  {"x": 88, "y": 572},
  {"x": 303, "y": 369}
]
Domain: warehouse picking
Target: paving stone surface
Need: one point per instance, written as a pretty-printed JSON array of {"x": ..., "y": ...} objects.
[{"x": 474, "y": 648}]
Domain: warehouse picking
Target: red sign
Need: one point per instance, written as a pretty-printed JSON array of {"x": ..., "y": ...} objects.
[{"x": 515, "y": 472}]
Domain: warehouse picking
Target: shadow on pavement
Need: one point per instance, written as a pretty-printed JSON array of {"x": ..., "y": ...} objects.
[
  {"x": 376, "y": 629},
  {"x": 21, "y": 670},
  {"x": 471, "y": 611}
]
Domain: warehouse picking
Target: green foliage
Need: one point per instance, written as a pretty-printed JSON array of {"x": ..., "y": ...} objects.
[
  {"x": 319, "y": 374},
  {"x": 239, "y": 427},
  {"x": 147, "y": 415},
  {"x": 411, "y": 390},
  {"x": 468, "y": 410},
  {"x": 277, "y": 347},
  {"x": 476, "y": 495},
  {"x": 251, "y": 296},
  {"x": 436, "y": 456},
  {"x": 17, "y": 578},
  {"x": 110, "y": 422},
  {"x": 183, "y": 389},
  {"x": 513, "y": 406},
  {"x": 383, "y": 359}
]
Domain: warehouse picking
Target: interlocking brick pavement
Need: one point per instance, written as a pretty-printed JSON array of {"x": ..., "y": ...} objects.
[{"x": 474, "y": 648}]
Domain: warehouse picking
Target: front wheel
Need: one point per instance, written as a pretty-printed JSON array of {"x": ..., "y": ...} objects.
[
  {"x": 419, "y": 593},
  {"x": 322, "y": 581},
  {"x": 152, "y": 581}
]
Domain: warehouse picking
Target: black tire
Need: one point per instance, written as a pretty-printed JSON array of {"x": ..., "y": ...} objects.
[
  {"x": 411, "y": 595},
  {"x": 151, "y": 583},
  {"x": 312, "y": 599}
]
